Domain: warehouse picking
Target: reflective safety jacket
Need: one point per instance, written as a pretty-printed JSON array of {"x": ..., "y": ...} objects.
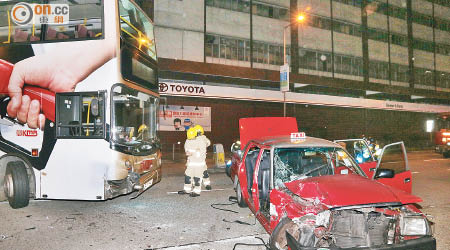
[{"x": 196, "y": 150}]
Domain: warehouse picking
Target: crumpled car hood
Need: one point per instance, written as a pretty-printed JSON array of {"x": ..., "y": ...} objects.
[{"x": 348, "y": 190}]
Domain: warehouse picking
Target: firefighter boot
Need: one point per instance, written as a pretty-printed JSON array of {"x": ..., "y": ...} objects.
[
  {"x": 187, "y": 185},
  {"x": 206, "y": 180},
  {"x": 197, "y": 187}
]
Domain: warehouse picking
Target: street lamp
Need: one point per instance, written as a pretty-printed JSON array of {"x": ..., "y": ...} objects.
[
  {"x": 300, "y": 18},
  {"x": 285, "y": 68}
]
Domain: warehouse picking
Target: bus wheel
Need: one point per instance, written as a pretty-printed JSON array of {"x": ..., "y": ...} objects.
[
  {"x": 446, "y": 154},
  {"x": 16, "y": 184}
]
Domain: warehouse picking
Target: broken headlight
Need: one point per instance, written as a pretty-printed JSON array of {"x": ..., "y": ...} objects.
[{"x": 414, "y": 225}]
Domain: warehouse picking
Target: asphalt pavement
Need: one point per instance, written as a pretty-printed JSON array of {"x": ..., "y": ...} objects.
[{"x": 162, "y": 219}]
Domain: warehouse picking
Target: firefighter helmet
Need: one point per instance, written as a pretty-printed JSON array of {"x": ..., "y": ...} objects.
[
  {"x": 199, "y": 129},
  {"x": 191, "y": 133}
]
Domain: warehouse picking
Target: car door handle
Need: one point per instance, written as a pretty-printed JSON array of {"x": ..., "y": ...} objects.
[
  {"x": 371, "y": 169},
  {"x": 407, "y": 180}
]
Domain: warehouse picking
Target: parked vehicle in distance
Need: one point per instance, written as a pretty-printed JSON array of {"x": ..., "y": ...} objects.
[
  {"x": 309, "y": 193},
  {"x": 442, "y": 141}
]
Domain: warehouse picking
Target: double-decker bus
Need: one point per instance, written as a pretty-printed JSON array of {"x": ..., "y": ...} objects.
[{"x": 95, "y": 78}]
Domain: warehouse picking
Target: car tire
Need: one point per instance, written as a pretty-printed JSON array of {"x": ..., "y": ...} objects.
[
  {"x": 16, "y": 184},
  {"x": 278, "y": 239},
  {"x": 239, "y": 198},
  {"x": 228, "y": 171},
  {"x": 446, "y": 154}
]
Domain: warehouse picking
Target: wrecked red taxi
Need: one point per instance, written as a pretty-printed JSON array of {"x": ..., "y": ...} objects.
[{"x": 309, "y": 193}]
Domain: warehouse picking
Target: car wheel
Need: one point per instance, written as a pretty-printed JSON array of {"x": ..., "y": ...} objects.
[
  {"x": 239, "y": 198},
  {"x": 228, "y": 171},
  {"x": 16, "y": 185},
  {"x": 278, "y": 239},
  {"x": 446, "y": 154}
]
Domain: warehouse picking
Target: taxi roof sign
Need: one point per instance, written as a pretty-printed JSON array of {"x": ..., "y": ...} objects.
[{"x": 298, "y": 135}]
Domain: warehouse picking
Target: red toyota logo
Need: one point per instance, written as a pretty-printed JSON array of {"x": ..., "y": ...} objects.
[{"x": 163, "y": 87}]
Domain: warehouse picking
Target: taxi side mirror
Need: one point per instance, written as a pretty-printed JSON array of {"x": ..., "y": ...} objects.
[{"x": 384, "y": 173}]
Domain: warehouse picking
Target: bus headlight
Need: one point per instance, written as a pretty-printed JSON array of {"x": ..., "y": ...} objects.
[
  {"x": 414, "y": 225},
  {"x": 128, "y": 165}
]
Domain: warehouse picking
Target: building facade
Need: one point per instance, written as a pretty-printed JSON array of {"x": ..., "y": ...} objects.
[{"x": 375, "y": 67}]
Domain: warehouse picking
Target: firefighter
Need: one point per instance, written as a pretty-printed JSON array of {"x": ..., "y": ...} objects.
[{"x": 196, "y": 169}]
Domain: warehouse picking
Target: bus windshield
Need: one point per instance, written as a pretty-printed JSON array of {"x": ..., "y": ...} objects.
[{"x": 134, "y": 115}]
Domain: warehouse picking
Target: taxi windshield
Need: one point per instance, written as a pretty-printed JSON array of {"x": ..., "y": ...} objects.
[{"x": 300, "y": 163}]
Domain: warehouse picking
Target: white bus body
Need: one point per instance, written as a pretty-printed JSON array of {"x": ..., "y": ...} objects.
[{"x": 102, "y": 142}]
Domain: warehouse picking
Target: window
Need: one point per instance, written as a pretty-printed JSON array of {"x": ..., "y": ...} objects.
[
  {"x": 136, "y": 28},
  {"x": 383, "y": 70},
  {"x": 290, "y": 164},
  {"x": 358, "y": 66},
  {"x": 262, "y": 10},
  {"x": 393, "y": 158},
  {"x": 346, "y": 65},
  {"x": 225, "y": 4},
  {"x": 209, "y": 41},
  {"x": 402, "y": 73},
  {"x": 241, "y": 50},
  {"x": 80, "y": 115},
  {"x": 326, "y": 64},
  {"x": 337, "y": 63},
  {"x": 134, "y": 117},
  {"x": 443, "y": 79},
  {"x": 284, "y": 14},
  {"x": 372, "y": 69},
  {"x": 358, "y": 149},
  {"x": 85, "y": 23},
  {"x": 223, "y": 47},
  {"x": 247, "y": 51},
  {"x": 311, "y": 60},
  {"x": 399, "y": 40},
  {"x": 244, "y": 6},
  {"x": 250, "y": 162}
]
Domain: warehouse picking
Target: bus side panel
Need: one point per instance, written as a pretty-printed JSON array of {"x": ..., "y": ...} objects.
[
  {"x": 77, "y": 170},
  {"x": 22, "y": 136}
]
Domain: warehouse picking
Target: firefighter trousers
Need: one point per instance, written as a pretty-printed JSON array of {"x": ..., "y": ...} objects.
[{"x": 194, "y": 176}]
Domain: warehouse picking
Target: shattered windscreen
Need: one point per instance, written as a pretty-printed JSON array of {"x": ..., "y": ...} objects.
[{"x": 299, "y": 163}]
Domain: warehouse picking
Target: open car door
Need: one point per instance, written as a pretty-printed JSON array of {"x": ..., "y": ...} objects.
[
  {"x": 261, "y": 187},
  {"x": 360, "y": 151},
  {"x": 393, "y": 157}
]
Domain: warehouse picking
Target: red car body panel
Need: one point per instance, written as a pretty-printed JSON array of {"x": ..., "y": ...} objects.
[
  {"x": 313, "y": 195},
  {"x": 259, "y": 127},
  {"x": 368, "y": 168},
  {"x": 348, "y": 190},
  {"x": 401, "y": 181}
]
